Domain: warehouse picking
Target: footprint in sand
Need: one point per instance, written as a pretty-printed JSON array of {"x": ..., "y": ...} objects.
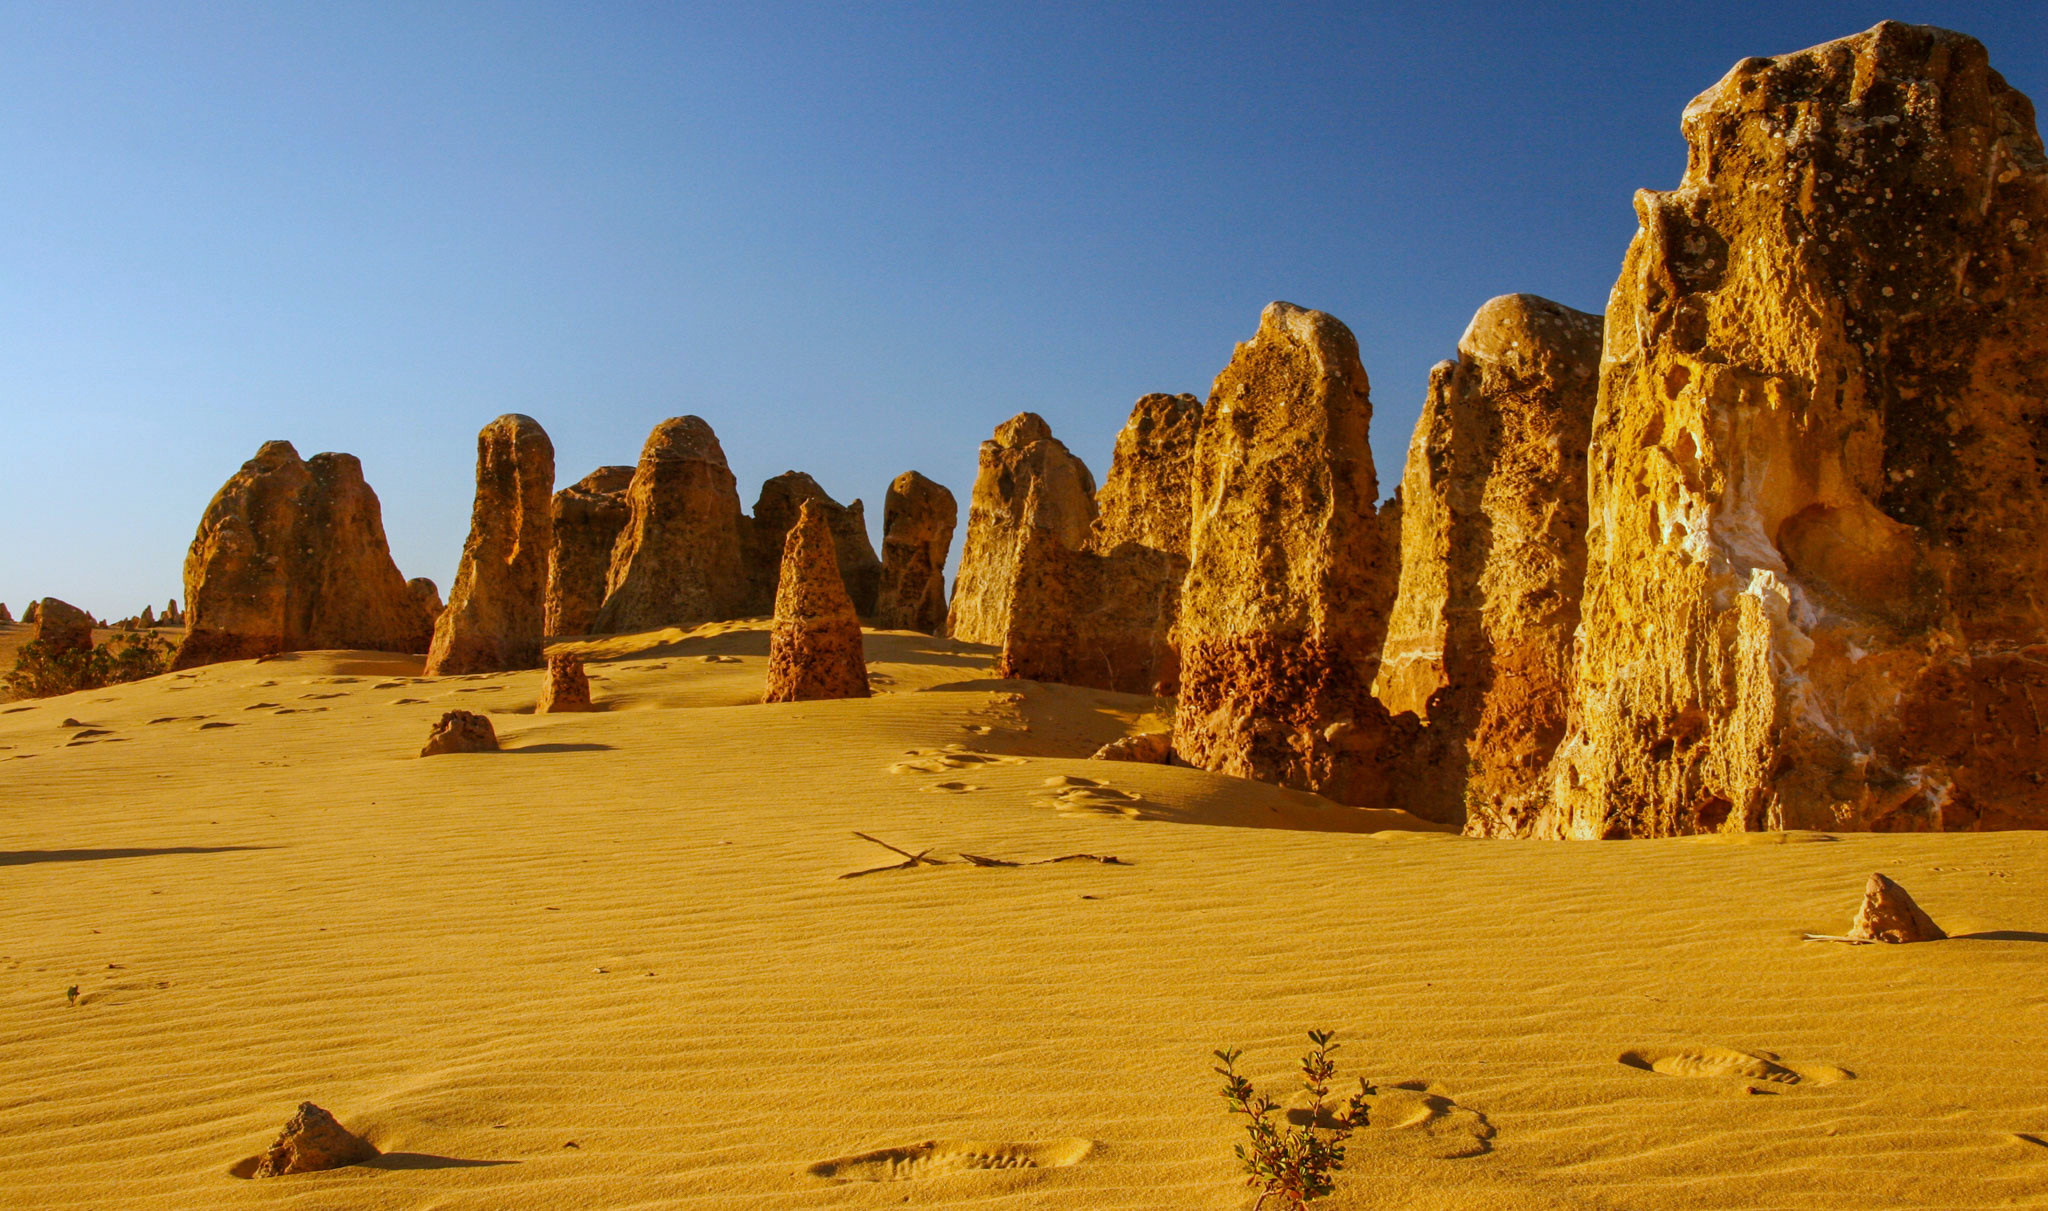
[
  {"x": 713, "y": 660},
  {"x": 938, "y": 761},
  {"x": 1073, "y": 796},
  {"x": 389, "y": 685},
  {"x": 1709, "y": 1061},
  {"x": 214, "y": 724},
  {"x": 935, "y": 1157},
  {"x": 336, "y": 694},
  {"x": 259, "y": 706},
  {"x": 1419, "y": 1119},
  {"x": 408, "y": 702},
  {"x": 950, "y": 788}
]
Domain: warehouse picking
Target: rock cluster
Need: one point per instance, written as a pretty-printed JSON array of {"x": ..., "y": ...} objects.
[
  {"x": 680, "y": 559},
  {"x": 1888, "y": 914},
  {"x": 918, "y": 517},
  {"x": 588, "y": 516},
  {"x": 1493, "y": 556},
  {"x": 310, "y": 1142},
  {"x": 775, "y": 512},
  {"x": 1027, "y": 481},
  {"x": 62, "y": 628},
  {"x": 1096, "y": 620},
  {"x": 566, "y": 687},
  {"x": 815, "y": 648},
  {"x": 1816, "y": 593},
  {"x": 461, "y": 732},
  {"x": 290, "y": 555},
  {"x": 1291, "y": 571},
  {"x": 494, "y": 619}
]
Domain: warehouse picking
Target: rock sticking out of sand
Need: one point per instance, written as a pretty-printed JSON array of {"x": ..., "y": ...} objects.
[
  {"x": 918, "y": 517},
  {"x": 62, "y": 627},
  {"x": 680, "y": 559},
  {"x": 461, "y": 732},
  {"x": 815, "y": 650},
  {"x": 310, "y": 1142},
  {"x": 566, "y": 686},
  {"x": 496, "y": 607},
  {"x": 588, "y": 516},
  {"x": 1027, "y": 480},
  {"x": 775, "y": 511},
  {"x": 1888, "y": 914},
  {"x": 1151, "y": 748}
]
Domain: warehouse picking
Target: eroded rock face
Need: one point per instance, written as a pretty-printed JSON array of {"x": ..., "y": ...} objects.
[
  {"x": 775, "y": 512},
  {"x": 1151, "y": 748},
  {"x": 461, "y": 732},
  {"x": 679, "y": 561},
  {"x": 290, "y": 556},
  {"x": 1027, "y": 480},
  {"x": 815, "y": 649},
  {"x": 588, "y": 516},
  {"x": 1145, "y": 497},
  {"x": 310, "y": 1142},
  {"x": 918, "y": 517},
  {"x": 1081, "y": 618},
  {"x": 1816, "y": 585},
  {"x": 1290, "y": 572},
  {"x": 62, "y": 627},
  {"x": 495, "y": 618},
  {"x": 566, "y": 687},
  {"x": 1888, "y": 914},
  {"x": 1493, "y": 558}
]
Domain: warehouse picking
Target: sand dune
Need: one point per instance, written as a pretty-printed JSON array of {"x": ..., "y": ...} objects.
[{"x": 615, "y": 965}]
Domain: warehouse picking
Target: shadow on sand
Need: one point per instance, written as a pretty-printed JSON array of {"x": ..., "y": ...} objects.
[{"x": 29, "y": 857}]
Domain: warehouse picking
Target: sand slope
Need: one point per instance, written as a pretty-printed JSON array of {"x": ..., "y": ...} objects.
[{"x": 615, "y": 965}]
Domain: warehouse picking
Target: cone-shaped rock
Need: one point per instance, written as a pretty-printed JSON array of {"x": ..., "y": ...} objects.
[
  {"x": 1027, "y": 480},
  {"x": 495, "y": 618},
  {"x": 310, "y": 1142},
  {"x": 679, "y": 561},
  {"x": 1493, "y": 557},
  {"x": 461, "y": 732},
  {"x": 815, "y": 648},
  {"x": 918, "y": 517},
  {"x": 566, "y": 687},
  {"x": 588, "y": 516},
  {"x": 1145, "y": 497},
  {"x": 1816, "y": 583},
  {"x": 291, "y": 556},
  {"x": 776, "y": 511},
  {"x": 5, "y": 615},
  {"x": 1290, "y": 572},
  {"x": 28, "y": 613},
  {"x": 1888, "y": 914},
  {"x": 62, "y": 627}
]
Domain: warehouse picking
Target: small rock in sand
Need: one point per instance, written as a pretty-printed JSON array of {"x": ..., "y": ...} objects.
[
  {"x": 1888, "y": 914},
  {"x": 1153, "y": 748},
  {"x": 566, "y": 686},
  {"x": 312, "y": 1141},
  {"x": 461, "y": 732}
]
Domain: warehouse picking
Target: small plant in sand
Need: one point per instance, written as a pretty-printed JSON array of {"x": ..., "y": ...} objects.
[
  {"x": 1293, "y": 1157},
  {"x": 40, "y": 672},
  {"x": 71, "y": 995}
]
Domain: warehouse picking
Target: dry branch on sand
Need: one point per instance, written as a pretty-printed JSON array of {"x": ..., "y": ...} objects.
[{"x": 923, "y": 858}]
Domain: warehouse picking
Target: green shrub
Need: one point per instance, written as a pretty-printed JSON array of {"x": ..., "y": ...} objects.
[
  {"x": 1296, "y": 1164},
  {"x": 128, "y": 656}
]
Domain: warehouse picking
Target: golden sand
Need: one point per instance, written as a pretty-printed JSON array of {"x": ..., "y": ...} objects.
[{"x": 616, "y": 965}]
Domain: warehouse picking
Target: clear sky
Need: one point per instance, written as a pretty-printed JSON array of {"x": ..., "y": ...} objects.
[{"x": 854, "y": 237}]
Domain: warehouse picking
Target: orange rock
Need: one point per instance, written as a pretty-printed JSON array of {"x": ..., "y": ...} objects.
[
  {"x": 918, "y": 517},
  {"x": 775, "y": 511},
  {"x": 1888, "y": 914},
  {"x": 588, "y": 516},
  {"x": 1027, "y": 481},
  {"x": 815, "y": 648},
  {"x": 495, "y": 617},
  {"x": 1102, "y": 621},
  {"x": 679, "y": 561},
  {"x": 461, "y": 732},
  {"x": 310, "y": 1142},
  {"x": 566, "y": 687},
  {"x": 62, "y": 627},
  {"x": 1145, "y": 497}
]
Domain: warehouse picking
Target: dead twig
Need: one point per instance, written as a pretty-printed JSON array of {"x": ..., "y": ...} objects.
[
  {"x": 910, "y": 860},
  {"x": 1105, "y": 859}
]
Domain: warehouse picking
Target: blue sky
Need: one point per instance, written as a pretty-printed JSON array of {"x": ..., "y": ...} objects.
[{"x": 854, "y": 237}]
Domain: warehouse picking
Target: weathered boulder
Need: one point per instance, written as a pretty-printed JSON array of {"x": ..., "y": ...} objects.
[
  {"x": 426, "y": 599},
  {"x": 1145, "y": 497},
  {"x": 494, "y": 619},
  {"x": 566, "y": 687},
  {"x": 1290, "y": 572},
  {"x": 1027, "y": 480},
  {"x": 918, "y": 517},
  {"x": 1888, "y": 914},
  {"x": 62, "y": 627},
  {"x": 815, "y": 649},
  {"x": 1493, "y": 557},
  {"x": 290, "y": 556},
  {"x": 1102, "y": 621},
  {"x": 775, "y": 512},
  {"x": 679, "y": 561},
  {"x": 310, "y": 1142},
  {"x": 1816, "y": 593},
  {"x": 1151, "y": 748},
  {"x": 588, "y": 516},
  {"x": 461, "y": 732}
]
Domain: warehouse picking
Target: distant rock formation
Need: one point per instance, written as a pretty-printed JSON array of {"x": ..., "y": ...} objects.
[
  {"x": 1817, "y": 594},
  {"x": 290, "y": 556},
  {"x": 918, "y": 517},
  {"x": 171, "y": 617},
  {"x": 5, "y": 616},
  {"x": 588, "y": 516},
  {"x": 776, "y": 511},
  {"x": 1145, "y": 498},
  {"x": 1027, "y": 481},
  {"x": 461, "y": 732},
  {"x": 425, "y": 597},
  {"x": 815, "y": 649},
  {"x": 1493, "y": 557},
  {"x": 566, "y": 687},
  {"x": 310, "y": 1142},
  {"x": 680, "y": 561},
  {"x": 1290, "y": 572},
  {"x": 495, "y": 615},
  {"x": 1102, "y": 621},
  {"x": 1888, "y": 914},
  {"x": 62, "y": 627},
  {"x": 28, "y": 613}
]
